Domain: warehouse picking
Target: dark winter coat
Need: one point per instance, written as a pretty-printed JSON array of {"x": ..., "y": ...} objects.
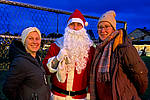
[
  {"x": 26, "y": 78},
  {"x": 129, "y": 75}
]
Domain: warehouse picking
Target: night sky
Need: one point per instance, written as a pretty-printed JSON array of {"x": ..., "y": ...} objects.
[{"x": 135, "y": 12}]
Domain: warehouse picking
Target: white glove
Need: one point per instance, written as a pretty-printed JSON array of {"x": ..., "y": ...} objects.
[
  {"x": 61, "y": 73},
  {"x": 62, "y": 53}
]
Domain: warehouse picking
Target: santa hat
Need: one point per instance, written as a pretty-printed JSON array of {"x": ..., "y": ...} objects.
[
  {"x": 77, "y": 16},
  {"x": 109, "y": 16},
  {"x": 26, "y": 32}
]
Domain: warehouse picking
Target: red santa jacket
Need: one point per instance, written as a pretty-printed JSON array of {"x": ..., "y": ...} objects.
[{"x": 79, "y": 82}]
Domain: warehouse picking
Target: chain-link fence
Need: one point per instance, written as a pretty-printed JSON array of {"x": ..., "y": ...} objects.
[{"x": 17, "y": 16}]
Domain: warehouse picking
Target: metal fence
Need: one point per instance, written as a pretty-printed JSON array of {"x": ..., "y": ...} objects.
[{"x": 17, "y": 16}]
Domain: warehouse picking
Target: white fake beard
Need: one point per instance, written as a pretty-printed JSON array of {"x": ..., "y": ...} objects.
[{"x": 78, "y": 43}]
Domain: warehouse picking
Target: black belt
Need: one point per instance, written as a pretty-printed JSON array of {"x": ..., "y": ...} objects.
[{"x": 70, "y": 93}]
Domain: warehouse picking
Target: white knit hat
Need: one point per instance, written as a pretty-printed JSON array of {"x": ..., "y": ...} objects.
[
  {"x": 109, "y": 16},
  {"x": 26, "y": 31}
]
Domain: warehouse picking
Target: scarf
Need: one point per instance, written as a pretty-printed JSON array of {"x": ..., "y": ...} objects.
[
  {"x": 104, "y": 64},
  {"x": 97, "y": 56}
]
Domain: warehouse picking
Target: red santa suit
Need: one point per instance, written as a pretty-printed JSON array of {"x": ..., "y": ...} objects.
[
  {"x": 74, "y": 52},
  {"x": 75, "y": 80}
]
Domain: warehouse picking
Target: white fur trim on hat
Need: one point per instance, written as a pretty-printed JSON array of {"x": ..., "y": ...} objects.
[
  {"x": 109, "y": 16},
  {"x": 75, "y": 20},
  {"x": 26, "y": 31}
]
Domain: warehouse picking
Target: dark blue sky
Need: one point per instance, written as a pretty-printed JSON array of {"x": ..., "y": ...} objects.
[{"x": 135, "y": 12}]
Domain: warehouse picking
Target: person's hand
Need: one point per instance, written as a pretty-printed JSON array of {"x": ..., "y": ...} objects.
[{"x": 62, "y": 53}]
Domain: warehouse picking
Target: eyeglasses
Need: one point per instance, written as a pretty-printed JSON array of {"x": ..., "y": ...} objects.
[{"x": 106, "y": 27}]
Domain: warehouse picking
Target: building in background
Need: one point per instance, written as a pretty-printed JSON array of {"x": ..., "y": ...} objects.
[{"x": 141, "y": 40}]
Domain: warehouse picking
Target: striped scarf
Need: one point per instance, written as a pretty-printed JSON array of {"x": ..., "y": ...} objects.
[{"x": 104, "y": 64}]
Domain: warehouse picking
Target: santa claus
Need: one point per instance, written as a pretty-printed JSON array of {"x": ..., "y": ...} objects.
[{"x": 68, "y": 61}]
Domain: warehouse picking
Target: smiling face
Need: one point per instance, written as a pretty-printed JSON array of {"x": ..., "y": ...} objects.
[
  {"x": 32, "y": 43},
  {"x": 104, "y": 30}
]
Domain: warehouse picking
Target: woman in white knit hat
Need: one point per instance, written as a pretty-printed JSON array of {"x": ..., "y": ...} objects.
[
  {"x": 26, "y": 80},
  {"x": 117, "y": 73}
]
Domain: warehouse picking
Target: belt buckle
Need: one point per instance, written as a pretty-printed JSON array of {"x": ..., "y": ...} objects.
[{"x": 69, "y": 93}]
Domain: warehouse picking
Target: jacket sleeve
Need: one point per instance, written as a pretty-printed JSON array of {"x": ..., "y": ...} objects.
[
  {"x": 52, "y": 51},
  {"x": 89, "y": 65},
  {"x": 15, "y": 77},
  {"x": 135, "y": 68}
]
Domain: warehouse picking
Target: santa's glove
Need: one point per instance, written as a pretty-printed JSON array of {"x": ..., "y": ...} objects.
[{"x": 62, "y": 54}]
